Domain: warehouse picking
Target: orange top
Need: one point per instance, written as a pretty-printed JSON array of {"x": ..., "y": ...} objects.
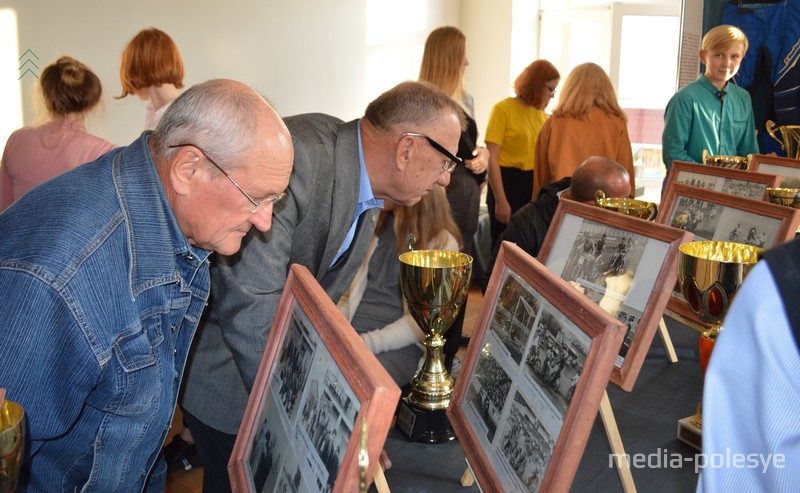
[{"x": 564, "y": 143}]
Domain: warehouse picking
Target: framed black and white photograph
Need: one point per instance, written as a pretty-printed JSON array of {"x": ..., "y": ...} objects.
[
  {"x": 722, "y": 217},
  {"x": 316, "y": 385},
  {"x": 788, "y": 169},
  {"x": 623, "y": 264},
  {"x": 532, "y": 380},
  {"x": 741, "y": 183}
]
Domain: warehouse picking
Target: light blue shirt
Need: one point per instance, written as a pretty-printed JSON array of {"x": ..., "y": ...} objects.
[
  {"x": 366, "y": 200},
  {"x": 751, "y": 427}
]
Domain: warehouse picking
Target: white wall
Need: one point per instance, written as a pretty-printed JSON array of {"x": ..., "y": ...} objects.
[{"x": 304, "y": 55}]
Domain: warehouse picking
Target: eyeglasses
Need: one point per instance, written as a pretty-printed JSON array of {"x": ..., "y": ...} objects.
[
  {"x": 257, "y": 205},
  {"x": 551, "y": 89},
  {"x": 449, "y": 164}
]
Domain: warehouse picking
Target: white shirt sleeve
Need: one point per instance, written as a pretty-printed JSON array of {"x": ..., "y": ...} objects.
[{"x": 403, "y": 331}]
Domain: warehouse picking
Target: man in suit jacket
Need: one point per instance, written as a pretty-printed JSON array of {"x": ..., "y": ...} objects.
[{"x": 342, "y": 173}]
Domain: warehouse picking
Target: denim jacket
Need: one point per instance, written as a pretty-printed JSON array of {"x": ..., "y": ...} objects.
[{"x": 101, "y": 294}]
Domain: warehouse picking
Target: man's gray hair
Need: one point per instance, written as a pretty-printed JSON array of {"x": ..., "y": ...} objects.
[
  {"x": 411, "y": 105},
  {"x": 219, "y": 116}
]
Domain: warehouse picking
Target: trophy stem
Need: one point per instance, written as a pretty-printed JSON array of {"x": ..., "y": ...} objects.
[
  {"x": 705, "y": 346},
  {"x": 432, "y": 385}
]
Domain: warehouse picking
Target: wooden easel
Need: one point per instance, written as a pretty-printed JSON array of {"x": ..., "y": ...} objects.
[
  {"x": 666, "y": 340},
  {"x": 610, "y": 422},
  {"x": 380, "y": 480},
  {"x": 615, "y": 441}
]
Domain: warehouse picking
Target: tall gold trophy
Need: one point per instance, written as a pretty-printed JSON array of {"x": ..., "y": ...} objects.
[
  {"x": 632, "y": 207},
  {"x": 790, "y": 138},
  {"x": 709, "y": 274},
  {"x": 435, "y": 284},
  {"x": 12, "y": 440}
]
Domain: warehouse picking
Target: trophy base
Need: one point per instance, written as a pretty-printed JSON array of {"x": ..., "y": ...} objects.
[
  {"x": 690, "y": 434},
  {"x": 424, "y": 425}
]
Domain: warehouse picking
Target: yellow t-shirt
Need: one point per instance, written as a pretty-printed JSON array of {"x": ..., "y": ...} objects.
[{"x": 515, "y": 127}]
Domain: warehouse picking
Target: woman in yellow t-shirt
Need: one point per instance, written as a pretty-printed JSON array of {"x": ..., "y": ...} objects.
[{"x": 514, "y": 125}]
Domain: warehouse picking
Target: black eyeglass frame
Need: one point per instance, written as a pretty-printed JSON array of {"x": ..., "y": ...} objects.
[
  {"x": 257, "y": 205},
  {"x": 453, "y": 160}
]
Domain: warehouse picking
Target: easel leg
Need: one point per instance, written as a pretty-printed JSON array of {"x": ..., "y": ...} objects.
[
  {"x": 614, "y": 439},
  {"x": 667, "y": 341},
  {"x": 467, "y": 479},
  {"x": 380, "y": 480}
]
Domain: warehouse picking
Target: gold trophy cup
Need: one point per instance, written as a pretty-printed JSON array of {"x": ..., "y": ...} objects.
[
  {"x": 435, "y": 283},
  {"x": 789, "y": 197},
  {"x": 632, "y": 207},
  {"x": 723, "y": 161},
  {"x": 790, "y": 138},
  {"x": 12, "y": 439},
  {"x": 709, "y": 274}
]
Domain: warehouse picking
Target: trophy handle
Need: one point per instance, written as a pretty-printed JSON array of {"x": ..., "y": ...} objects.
[
  {"x": 599, "y": 197},
  {"x": 411, "y": 240},
  {"x": 770, "y": 126},
  {"x": 653, "y": 211}
]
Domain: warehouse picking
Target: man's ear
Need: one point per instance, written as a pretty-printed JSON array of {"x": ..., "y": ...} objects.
[
  {"x": 183, "y": 168},
  {"x": 404, "y": 152},
  {"x": 703, "y": 55}
]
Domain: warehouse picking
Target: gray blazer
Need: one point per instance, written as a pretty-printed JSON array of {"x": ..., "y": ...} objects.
[{"x": 308, "y": 227}]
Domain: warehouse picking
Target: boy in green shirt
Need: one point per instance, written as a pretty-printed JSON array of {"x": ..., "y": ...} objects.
[{"x": 710, "y": 114}]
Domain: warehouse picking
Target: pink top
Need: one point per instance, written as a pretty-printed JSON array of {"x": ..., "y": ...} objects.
[{"x": 35, "y": 154}]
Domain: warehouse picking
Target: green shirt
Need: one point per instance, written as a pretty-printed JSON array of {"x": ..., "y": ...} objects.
[{"x": 696, "y": 120}]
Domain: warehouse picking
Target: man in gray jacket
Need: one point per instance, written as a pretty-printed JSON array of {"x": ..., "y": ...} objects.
[{"x": 342, "y": 172}]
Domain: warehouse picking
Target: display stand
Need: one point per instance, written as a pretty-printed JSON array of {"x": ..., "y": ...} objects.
[
  {"x": 666, "y": 340},
  {"x": 689, "y": 434},
  {"x": 467, "y": 479},
  {"x": 380, "y": 480},
  {"x": 615, "y": 441}
]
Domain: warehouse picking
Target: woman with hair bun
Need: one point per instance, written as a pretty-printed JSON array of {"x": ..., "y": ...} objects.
[
  {"x": 152, "y": 69},
  {"x": 69, "y": 91}
]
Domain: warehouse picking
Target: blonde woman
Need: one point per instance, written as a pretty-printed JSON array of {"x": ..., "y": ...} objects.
[
  {"x": 374, "y": 303},
  {"x": 444, "y": 62},
  {"x": 587, "y": 121}
]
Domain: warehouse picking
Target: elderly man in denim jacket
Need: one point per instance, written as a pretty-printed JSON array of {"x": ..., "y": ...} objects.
[{"x": 104, "y": 275}]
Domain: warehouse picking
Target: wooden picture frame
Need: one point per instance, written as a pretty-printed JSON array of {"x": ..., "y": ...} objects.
[
  {"x": 638, "y": 290},
  {"x": 723, "y": 217},
  {"x": 522, "y": 424},
  {"x": 726, "y": 180},
  {"x": 787, "y": 168},
  {"x": 316, "y": 385}
]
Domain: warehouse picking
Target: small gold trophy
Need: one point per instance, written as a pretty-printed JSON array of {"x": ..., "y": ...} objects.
[
  {"x": 723, "y": 161},
  {"x": 632, "y": 207},
  {"x": 788, "y": 197},
  {"x": 790, "y": 138},
  {"x": 12, "y": 439},
  {"x": 435, "y": 284},
  {"x": 709, "y": 274}
]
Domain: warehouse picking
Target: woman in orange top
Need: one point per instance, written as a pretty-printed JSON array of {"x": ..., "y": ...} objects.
[{"x": 586, "y": 122}]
